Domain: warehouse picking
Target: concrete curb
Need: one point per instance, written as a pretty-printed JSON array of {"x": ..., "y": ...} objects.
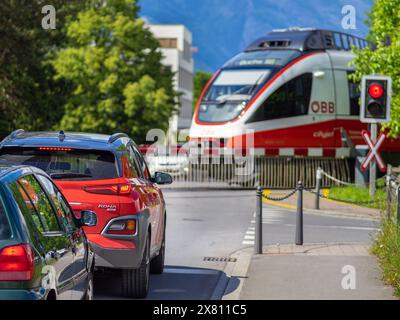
[
  {"x": 227, "y": 287},
  {"x": 342, "y": 214}
]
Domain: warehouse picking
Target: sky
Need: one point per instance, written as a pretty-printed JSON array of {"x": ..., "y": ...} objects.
[{"x": 223, "y": 28}]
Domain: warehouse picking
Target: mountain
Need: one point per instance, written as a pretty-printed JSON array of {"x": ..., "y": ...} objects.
[{"x": 222, "y": 28}]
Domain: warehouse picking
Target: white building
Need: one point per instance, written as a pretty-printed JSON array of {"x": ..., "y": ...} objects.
[{"x": 176, "y": 47}]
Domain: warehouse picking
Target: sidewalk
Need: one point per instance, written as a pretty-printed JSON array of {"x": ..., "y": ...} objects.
[
  {"x": 314, "y": 272},
  {"x": 326, "y": 206}
]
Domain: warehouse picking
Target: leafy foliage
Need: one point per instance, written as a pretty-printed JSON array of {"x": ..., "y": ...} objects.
[
  {"x": 200, "y": 80},
  {"x": 387, "y": 249},
  {"x": 114, "y": 64},
  {"x": 385, "y": 58},
  {"x": 29, "y": 96}
]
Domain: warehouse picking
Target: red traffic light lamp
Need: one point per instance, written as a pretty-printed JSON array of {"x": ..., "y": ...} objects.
[{"x": 376, "y": 91}]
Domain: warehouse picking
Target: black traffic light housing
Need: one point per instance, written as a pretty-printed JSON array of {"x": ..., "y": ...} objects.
[{"x": 376, "y": 94}]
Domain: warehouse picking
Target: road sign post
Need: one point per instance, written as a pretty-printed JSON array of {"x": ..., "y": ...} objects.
[
  {"x": 373, "y": 156},
  {"x": 372, "y": 168},
  {"x": 375, "y": 108}
]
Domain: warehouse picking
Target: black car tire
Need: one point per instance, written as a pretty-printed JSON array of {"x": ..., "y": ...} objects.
[
  {"x": 89, "y": 293},
  {"x": 135, "y": 282},
  {"x": 157, "y": 264}
]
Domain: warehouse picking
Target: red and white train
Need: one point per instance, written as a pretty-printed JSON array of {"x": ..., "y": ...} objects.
[{"x": 292, "y": 88}]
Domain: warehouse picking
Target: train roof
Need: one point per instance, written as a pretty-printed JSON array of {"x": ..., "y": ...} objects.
[{"x": 307, "y": 39}]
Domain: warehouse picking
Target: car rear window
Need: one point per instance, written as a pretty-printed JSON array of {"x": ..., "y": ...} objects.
[
  {"x": 67, "y": 164},
  {"x": 5, "y": 231}
]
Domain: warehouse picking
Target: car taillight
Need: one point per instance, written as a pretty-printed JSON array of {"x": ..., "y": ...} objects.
[
  {"x": 16, "y": 263},
  {"x": 113, "y": 189},
  {"x": 122, "y": 227}
]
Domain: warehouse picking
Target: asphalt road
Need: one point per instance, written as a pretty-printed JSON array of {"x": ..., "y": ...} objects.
[{"x": 215, "y": 224}]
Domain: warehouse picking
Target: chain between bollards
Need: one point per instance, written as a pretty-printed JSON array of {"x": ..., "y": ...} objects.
[
  {"x": 299, "y": 216},
  {"x": 259, "y": 239}
]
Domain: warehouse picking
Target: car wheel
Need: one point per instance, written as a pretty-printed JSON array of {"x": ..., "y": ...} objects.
[
  {"x": 135, "y": 282},
  {"x": 157, "y": 264},
  {"x": 89, "y": 293}
]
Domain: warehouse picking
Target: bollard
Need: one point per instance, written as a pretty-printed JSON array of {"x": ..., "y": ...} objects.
[
  {"x": 398, "y": 206},
  {"x": 259, "y": 240},
  {"x": 299, "y": 216},
  {"x": 388, "y": 191},
  {"x": 318, "y": 188}
]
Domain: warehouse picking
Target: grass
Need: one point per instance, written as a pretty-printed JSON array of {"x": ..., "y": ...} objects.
[
  {"x": 387, "y": 244},
  {"x": 361, "y": 195},
  {"x": 387, "y": 249}
]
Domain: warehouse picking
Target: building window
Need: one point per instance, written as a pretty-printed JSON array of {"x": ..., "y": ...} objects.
[
  {"x": 290, "y": 100},
  {"x": 169, "y": 43},
  {"x": 185, "y": 80},
  {"x": 187, "y": 51}
]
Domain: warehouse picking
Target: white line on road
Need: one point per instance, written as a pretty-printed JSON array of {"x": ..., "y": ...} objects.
[
  {"x": 267, "y": 221},
  {"x": 249, "y": 237},
  {"x": 190, "y": 271},
  {"x": 336, "y": 227},
  {"x": 248, "y": 243}
]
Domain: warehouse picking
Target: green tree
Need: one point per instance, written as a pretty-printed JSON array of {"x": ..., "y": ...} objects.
[
  {"x": 200, "y": 80},
  {"x": 114, "y": 64},
  {"x": 29, "y": 96},
  {"x": 385, "y": 58}
]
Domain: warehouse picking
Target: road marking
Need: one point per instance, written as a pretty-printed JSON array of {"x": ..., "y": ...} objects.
[
  {"x": 336, "y": 227},
  {"x": 278, "y": 204},
  {"x": 250, "y": 232},
  {"x": 268, "y": 221},
  {"x": 190, "y": 271},
  {"x": 249, "y": 237},
  {"x": 248, "y": 243}
]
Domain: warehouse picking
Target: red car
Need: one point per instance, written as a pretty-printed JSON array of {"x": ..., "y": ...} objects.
[{"x": 106, "y": 175}]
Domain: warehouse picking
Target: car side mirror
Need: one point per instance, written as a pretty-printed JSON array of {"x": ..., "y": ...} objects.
[
  {"x": 162, "y": 178},
  {"x": 88, "y": 218}
]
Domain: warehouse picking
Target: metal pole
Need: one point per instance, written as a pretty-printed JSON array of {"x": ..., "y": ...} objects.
[
  {"x": 299, "y": 216},
  {"x": 388, "y": 191},
  {"x": 398, "y": 206},
  {"x": 372, "y": 169},
  {"x": 318, "y": 188},
  {"x": 259, "y": 240}
]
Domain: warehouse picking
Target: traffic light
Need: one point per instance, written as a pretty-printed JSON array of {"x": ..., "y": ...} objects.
[{"x": 375, "y": 96}]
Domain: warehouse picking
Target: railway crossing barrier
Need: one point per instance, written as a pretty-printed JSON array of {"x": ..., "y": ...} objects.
[{"x": 222, "y": 172}]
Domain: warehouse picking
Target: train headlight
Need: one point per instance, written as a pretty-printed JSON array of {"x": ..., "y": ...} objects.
[{"x": 203, "y": 108}]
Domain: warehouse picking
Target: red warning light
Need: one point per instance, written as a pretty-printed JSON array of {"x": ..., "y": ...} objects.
[{"x": 376, "y": 91}]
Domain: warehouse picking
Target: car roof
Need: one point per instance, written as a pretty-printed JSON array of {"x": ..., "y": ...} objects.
[
  {"x": 17, "y": 170},
  {"x": 77, "y": 140}
]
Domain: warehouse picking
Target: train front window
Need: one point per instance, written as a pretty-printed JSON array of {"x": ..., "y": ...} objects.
[
  {"x": 274, "y": 58},
  {"x": 230, "y": 93}
]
